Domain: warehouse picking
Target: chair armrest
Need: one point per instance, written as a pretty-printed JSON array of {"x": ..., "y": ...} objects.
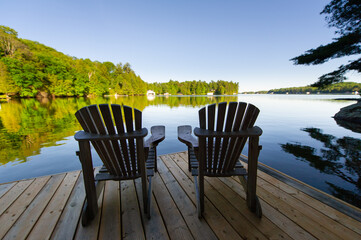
[
  {"x": 86, "y": 136},
  {"x": 185, "y": 136},
  {"x": 157, "y": 135},
  {"x": 251, "y": 132}
]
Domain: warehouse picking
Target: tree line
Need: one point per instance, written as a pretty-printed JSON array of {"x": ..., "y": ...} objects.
[
  {"x": 194, "y": 87},
  {"x": 29, "y": 69},
  {"x": 344, "y": 87}
]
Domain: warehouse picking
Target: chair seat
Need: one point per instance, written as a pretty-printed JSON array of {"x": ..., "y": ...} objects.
[
  {"x": 104, "y": 174},
  {"x": 239, "y": 170}
]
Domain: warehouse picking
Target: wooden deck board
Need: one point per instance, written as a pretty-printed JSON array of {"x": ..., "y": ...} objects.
[
  {"x": 50, "y": 207},
  {"x": 19, "y": 206},
  {"x": 25, "y": 223},
  {"x": 269, "y": 229},
  {"x": 5, "y": 187}
]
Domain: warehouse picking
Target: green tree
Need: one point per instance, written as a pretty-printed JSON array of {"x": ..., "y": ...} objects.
[
  {"x": 7, "y": 85},
  {"x": 8, "y": 40},
  {"x": 345, "y": 16}
]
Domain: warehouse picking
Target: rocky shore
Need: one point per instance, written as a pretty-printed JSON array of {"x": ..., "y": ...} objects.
[{"x": 350, "y": 117}]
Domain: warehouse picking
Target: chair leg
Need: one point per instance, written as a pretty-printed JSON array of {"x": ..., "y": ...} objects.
[
  {"x": 199, "y": 211},
  {"x": 149, "y": 197},
  {"x": 258, "y": 208},
  {"x": 155, "y": 159},
  {"x": 252, "y": 199},
  {"x": 144, "y": 193},
  {"x": 91, "y": 205},
  {"x": 201, "y": 193},
  {"x": 189, "y": 159}
]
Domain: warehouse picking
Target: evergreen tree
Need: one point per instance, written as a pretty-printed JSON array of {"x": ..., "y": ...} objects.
[{"x": 345, "y": 16}]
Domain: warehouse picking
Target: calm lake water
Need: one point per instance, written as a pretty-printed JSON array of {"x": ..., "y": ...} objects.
[{"x": 300, "y": 137}]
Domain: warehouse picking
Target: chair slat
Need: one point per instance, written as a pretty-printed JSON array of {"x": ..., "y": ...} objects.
[
  {"x": 99, "y": 125},
  {"x": 211, "y": 120},
  {"x": 220, "y": 122},
  {"x": 128, "y": 116},
  {"x": 236, "y": 126},
  {"x": 202, "y": 118},
  {"x": 138, "y": 119},
  {"x": 86, "y": 118},
  {"x": 107, "y": 116},
  {"x": 118, "y": 118},
  {"x": 248, "y": 120},
  {"x": 232, "y": 107}
]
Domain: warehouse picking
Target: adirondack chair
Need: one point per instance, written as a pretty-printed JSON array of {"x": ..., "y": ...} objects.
[
  {"x": 217, "y": 150},
  {"x": 123, "y": 151}
]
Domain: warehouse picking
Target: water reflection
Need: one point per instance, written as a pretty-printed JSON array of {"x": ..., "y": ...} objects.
[
  {"x": 338, "y": 156},
  {"x": 27, "y": 125},
  {"x": 355, "y": 127},
  {"x": 36, "y": 136}
]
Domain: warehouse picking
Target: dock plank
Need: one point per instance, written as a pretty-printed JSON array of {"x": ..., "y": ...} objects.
[
  {"x": 28, "y": 219},
  {"x": 132, "y": 222},
  {"x": 214, "y": 218},
  {"x": 10, "y": 196},
  {"x": 269, "y": 229},
  {"x": 50, "y": 216},
  {"x": 271, "y": 212},
  {"x": 314, "y": 203},
  {"x": 9, "y": 217},
  {"x": 66, "y": 226},
  {"x": 4, "y": 187},
  {"x": 317, "y": 229},
  {"x": 91, "y": 231},
  {"x": 198, "y": 227},
  {"x": 50, "y": 207},
  {"x": 175, "y": 224},
  {"x": 110, "y": 224},
  {"x": 313, "y": 215},
  {"x": 154, "y": 227}
]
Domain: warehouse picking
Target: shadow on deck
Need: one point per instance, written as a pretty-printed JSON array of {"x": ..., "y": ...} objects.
[{"x": 49, "y": 207}]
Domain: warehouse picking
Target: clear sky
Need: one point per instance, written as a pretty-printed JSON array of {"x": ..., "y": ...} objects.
[{"x": 249, "y": 42}]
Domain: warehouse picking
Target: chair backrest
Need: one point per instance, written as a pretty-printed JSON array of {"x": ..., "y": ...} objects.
[
  {"x": 119, "y": 157},
  {"x": 222, "y": 153}
]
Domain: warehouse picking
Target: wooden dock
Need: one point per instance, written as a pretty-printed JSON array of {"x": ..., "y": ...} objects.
[{"x": 49, "y": 207}]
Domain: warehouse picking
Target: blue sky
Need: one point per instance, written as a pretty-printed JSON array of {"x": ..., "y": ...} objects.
[{"x": 249, "y": 42}]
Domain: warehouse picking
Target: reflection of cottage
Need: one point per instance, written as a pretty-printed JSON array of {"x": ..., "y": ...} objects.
[{"x": 150, "y": 95}]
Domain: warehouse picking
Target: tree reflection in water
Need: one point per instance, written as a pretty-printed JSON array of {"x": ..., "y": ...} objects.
[
  {"x": 27, "y": 125},
  {"x": 339, "y": 156}
]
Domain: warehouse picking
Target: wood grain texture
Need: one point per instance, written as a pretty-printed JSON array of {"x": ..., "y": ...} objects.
[
  {"x": 28, "y": 219},
  {"x": 288, "y": 213}
]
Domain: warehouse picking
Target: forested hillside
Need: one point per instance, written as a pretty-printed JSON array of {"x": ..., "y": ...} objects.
[{"x": 28, "y": 68}]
